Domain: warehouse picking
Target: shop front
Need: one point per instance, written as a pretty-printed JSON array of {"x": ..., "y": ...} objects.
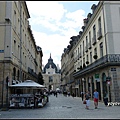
[{"x": 29, "y": 95}]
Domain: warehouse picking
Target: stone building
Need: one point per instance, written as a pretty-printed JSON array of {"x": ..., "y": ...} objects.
[
  {"x": 67, "y": 67},
  {"x": 51, "y": 75},
  {"x": 20, "y": 57},
  {"x": 97, "y": 52}
]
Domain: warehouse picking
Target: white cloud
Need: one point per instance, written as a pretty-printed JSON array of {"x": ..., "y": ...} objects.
[
  {"x": 49, "y": 14},
  {"x": 48, "y": 9}
]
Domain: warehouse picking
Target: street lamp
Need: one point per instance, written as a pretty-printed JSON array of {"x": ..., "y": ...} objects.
[
  {"x": 7, "y": 80},
  {"x": 109, "y": 83}
]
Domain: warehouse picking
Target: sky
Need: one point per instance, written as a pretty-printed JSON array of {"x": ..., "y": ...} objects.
[{"x": 53, "y": 23}]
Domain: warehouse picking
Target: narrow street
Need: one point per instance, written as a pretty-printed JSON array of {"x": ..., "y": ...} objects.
[{"x": 64, "y": 107}]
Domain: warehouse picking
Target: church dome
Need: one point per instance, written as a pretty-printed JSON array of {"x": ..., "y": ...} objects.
[{"x": 50, "y": 64}]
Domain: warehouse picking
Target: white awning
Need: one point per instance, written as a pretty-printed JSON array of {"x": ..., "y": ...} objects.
[{"x": 28, "y": 83}]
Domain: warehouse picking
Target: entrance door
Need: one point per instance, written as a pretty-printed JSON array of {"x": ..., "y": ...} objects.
[{"x": 98, "y": 89}]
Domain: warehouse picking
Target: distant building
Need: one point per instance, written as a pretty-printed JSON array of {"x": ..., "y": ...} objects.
[{"x": 51, "y": 75}]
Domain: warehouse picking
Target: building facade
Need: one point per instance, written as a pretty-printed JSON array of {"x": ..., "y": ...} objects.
[
  {"x": 67, "y": 67},
  {"x": 51, "y": 75},
  {"x": 20, "y": 57},
  {"x": 97, "y": 52}
]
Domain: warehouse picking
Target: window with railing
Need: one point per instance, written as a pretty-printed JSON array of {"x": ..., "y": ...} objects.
[
  {"x": 90, "y": 57},
  {"x": 89, "y": 44},
  {"x": 101, "y": 49},
  {"x": 83, "y": 48},
  {"x": 99, "y": 33},
  {"x": 94, "y": 35}
]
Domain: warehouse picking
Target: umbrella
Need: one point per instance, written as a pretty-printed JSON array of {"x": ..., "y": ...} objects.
[{"x": 28, "y": 83}]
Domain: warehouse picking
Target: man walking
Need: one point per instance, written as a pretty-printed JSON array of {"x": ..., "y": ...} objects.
[{"x": 96, "y": 98}]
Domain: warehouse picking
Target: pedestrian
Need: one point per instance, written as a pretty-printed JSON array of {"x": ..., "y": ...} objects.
[
  {"x": 82, "y": 95},
  {"x": 73, "y": 95},
  {"x": 87, "y": 98},
  {"x": 68, "y": 93},
  {"x": 96, "y": 98},
  {"x": 56, "y": 93},
  {"x": 106, "y": 98}
]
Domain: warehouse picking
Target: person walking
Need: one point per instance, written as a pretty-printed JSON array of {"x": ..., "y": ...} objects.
[
  {"x": 87, "y": 98},
  {"x": 96, "y": 98},
  {"x": 82, "y": 95},
  {"x": 106, "y": 99}
]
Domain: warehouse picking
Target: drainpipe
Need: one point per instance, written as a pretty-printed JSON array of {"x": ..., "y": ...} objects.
[
  {"x": 20, "y": 41},
  {"x": 104, "y": 27}
]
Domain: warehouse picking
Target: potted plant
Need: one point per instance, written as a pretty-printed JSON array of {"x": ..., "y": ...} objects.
[
  {"x": 78, "y": 68},
  {"x": 87, "y": 62},
  {"x": 95, "y": 56}
]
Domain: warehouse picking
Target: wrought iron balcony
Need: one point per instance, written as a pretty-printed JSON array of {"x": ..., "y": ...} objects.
[{"x": 110, "y": 59}]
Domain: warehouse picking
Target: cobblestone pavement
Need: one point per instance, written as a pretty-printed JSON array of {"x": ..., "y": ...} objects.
[{"x": 64, "y": 108}]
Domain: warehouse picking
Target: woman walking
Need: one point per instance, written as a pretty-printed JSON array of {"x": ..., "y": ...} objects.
[
  {"x": 106, "y": 99},
  {"x": 87, "y": 98}
]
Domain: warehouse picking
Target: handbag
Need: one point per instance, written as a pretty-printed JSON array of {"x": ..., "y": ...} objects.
[{"x": 84, "y": 102}]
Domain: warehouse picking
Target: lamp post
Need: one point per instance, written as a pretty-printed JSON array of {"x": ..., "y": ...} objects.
[
  {"x": 7, "y": 80},
  {"x": 109, "y": 82}
]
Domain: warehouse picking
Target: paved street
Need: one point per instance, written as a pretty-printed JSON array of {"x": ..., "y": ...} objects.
[{"x": 63, "y": 107}]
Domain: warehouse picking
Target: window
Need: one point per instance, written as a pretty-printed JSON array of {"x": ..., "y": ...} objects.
[
  {"x": 83, "y": 60},
  {"x": 76, "y": 53},
  {"x": 18, "y": 52},
  {"x": 23, "y": 17},
  {"x": 50, "y": 79},
  {"x": 87, "y": 58},
  {"x": 80, "y": 49},
  {"x": 101, "y": 49},
  {"x": 90, "y": 37},
  {"x": 90, "y": 57},
  {"x": 95, "y": 51},
  {"x": 86, "y": 40},
  {"x": 15, "y": 46},
  {"x": 81, "y": 63},
  {"x": 94, "y": 31},
  {"x": 14, "y": 19},
  {"x": 99, "y": 23},
  {"x": 83, "y": 47}
]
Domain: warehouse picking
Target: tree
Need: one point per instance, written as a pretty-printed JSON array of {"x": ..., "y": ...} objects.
[{"x": 40, "y": 79}]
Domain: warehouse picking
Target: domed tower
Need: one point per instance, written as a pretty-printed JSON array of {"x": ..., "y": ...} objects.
[
  {"x": 50, "y": 67},
  {"x": 51, "y": 75}
]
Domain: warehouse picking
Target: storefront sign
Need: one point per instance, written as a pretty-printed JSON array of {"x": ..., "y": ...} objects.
[{"x": 97, "y": 77}]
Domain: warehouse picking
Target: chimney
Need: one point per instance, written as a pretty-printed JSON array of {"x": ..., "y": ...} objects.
[
  {"x": 85, "y": 21},
  {"x": 80, "y": 33},
  {"x": 93, "y": 7},
  {"x": 83, "y": 27},
  {"x": 89, "y": 16}
]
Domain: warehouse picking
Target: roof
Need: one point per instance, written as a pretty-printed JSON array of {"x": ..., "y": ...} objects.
[{"x": 28, "y": 83}]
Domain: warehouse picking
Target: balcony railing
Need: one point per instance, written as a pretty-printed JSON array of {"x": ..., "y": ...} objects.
[
  {"x": 110, "y": 59},
  {"x": 32, "y": 72},
  {"x": 94, "y": 40},
  {"x": 99, "y": 34}
]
